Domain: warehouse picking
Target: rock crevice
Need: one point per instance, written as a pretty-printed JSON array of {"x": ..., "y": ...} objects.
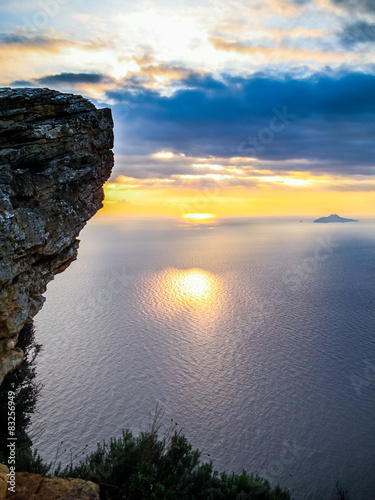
[{"x": 55, "y": 155}]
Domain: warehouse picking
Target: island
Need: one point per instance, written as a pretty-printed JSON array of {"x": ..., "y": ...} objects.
[{"x": 334, "y": 218}]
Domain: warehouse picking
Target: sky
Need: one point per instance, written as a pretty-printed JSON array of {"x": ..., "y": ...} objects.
[{"x": 231, "y": 108}]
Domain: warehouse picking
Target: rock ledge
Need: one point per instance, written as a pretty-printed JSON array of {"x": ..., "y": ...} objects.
[
  {"x": 35, "y": 487},
  {"x": 55, "y": 155}
]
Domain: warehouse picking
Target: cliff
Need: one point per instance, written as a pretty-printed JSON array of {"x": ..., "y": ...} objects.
[{"x": 55, "y": 155}]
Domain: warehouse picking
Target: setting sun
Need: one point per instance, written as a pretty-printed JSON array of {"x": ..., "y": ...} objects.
[{"x": 198, "y": 217}]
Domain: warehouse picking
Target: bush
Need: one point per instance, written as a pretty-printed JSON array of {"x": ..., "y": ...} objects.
[{"x": 151, "y": 468}]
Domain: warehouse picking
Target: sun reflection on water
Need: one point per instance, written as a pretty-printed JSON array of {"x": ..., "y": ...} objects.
[{"x": 190, "y": 289}]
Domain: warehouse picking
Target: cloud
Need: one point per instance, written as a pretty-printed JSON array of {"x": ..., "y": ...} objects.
[
  {"x": 159, "y": 75},
  {"x": 279, "y": 53},
  {"x": 86, "y": 83},
  {"x": 351, "y": 5},
  {"x": 346, "y": 186},
  {"x": 356, "y": 5},
  {"x": 32, "y": 42},
  {"x": 74, "y": 78},
  {"x": 203, "y": 177},
  {"x": 357, "y": 33},
  {"x": 328, "y": 121},
  {"x": 23, "y": 83},
  {"x": 171, "y": 71},
  {"x": 15, "y": 39}
]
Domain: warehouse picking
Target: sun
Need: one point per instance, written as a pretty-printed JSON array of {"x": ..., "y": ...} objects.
[{"x": 198, "y": 217}]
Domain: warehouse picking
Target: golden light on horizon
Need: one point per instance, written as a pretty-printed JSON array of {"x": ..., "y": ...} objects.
[
  {"x": 287, "y": 180},
  {"x": 215, "y": 177},
  {"x": 199, "y": 217},
  {"x": 260, "y": 195},
  {"x": 243, "y": 159},
  {"x": 164, "y": 155},
  {"x": 208, "y": 165},
  {"x": 217, "y": 167}
]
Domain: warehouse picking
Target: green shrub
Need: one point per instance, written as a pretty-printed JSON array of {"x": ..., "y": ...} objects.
[{"x": 151, "y": 468}]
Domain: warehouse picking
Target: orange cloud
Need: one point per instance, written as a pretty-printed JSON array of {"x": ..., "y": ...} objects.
[{"x": 279, "y": 53}]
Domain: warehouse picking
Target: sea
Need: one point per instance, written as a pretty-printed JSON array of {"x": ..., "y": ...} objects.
[{"x": 254, "y": 337}]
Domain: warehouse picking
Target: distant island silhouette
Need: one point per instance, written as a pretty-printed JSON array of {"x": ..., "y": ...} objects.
[{"x": 334, "y": 218}]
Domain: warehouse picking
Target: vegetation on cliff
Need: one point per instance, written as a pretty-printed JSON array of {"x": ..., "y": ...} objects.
[{"x": 166, "y": 468}]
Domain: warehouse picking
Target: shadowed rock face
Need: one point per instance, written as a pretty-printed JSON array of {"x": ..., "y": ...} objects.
[{"x": 55, "y": 155}]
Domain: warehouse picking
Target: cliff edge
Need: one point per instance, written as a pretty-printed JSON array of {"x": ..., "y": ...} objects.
[{"x": 55, "y": 155}]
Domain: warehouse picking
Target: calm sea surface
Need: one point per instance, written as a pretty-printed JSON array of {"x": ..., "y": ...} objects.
[{"x": 257, "y": 337}]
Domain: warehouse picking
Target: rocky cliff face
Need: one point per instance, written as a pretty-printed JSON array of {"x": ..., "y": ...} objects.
[
  {"x": 55, "y": 155},
  {"x": 35, "y": 487}
]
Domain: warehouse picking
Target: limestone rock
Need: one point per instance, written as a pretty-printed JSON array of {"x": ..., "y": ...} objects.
[
  {"x": 35, "y": 487},
  {"x": 55, "y": 155}
]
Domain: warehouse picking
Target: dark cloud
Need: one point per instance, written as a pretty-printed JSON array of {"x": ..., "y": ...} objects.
[
  {"x": 351, "y": 5},
  {"x": 15, "y": 39},
  {"x": 32, "y": 41},
  {"x": 356, "y": 5},
  {"x": 22, "y": 83},
  {"x": 74, "y": 78},
  {"x": 357, "y": 33},
  {"x": 328, "y": 121},
  {"x": 139, "y": 167}
]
